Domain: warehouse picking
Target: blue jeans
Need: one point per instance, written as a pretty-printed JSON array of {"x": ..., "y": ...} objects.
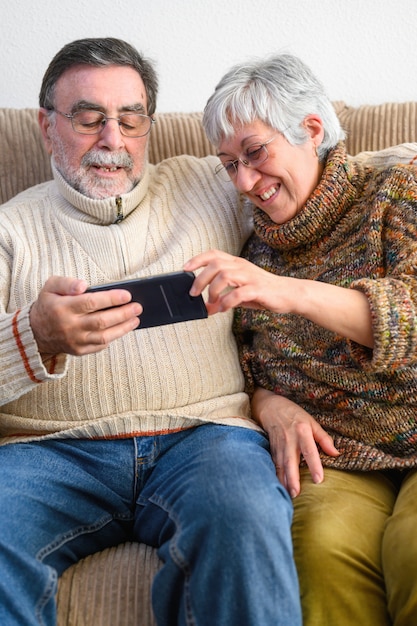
[{"x": 207, "y": 498}]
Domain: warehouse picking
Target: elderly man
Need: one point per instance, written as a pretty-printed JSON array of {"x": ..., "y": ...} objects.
[{"x": 110, "y": 433}]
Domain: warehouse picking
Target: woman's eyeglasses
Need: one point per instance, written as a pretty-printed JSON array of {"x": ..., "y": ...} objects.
[{"x": 253, "y": 157}]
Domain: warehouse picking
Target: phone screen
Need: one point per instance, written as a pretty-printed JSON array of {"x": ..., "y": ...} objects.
[{"x": 165, "y": 298}]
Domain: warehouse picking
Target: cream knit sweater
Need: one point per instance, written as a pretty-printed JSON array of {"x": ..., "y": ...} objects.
[{"x": 153, "y": 380}]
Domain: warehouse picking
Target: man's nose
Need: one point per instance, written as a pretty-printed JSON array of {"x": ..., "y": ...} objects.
[{"x": 110, "y": 135}]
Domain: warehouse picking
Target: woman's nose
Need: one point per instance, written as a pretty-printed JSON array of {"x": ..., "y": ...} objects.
[{"x": 246, "y": 177}]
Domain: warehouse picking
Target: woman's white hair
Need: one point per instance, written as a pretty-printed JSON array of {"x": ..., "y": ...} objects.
[{"x": 279, "y": 91}]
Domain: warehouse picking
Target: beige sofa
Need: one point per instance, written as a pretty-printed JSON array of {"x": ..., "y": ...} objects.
[{"x": 112, "y": 588}]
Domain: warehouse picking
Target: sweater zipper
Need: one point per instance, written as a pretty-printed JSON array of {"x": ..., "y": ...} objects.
[{"x": 119, "y": 216}]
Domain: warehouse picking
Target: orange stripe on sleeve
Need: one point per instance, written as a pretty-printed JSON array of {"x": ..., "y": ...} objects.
[{"x": 22, "y": 350}]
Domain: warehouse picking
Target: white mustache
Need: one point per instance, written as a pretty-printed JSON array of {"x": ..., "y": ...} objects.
[{"x": 103, "y": 159}]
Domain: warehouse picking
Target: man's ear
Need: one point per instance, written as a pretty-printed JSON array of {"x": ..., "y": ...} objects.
[
  {"x": 44, "y": 124},
  {"x": 314, "y": 127}
]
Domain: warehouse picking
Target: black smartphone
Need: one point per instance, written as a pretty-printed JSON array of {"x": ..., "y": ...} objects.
[{"x": 165, "y": 298}]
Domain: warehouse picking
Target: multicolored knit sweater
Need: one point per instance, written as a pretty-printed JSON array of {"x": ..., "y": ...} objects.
[{"x": 358, "y": 230}]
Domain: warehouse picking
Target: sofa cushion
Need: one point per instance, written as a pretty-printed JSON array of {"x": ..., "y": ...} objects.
[
  {"x": 403, "y": 153},
  {"x": 24, "y": 161},
  {"x": 109, "y": 588},
  {"x": 375, "y": 127},
  {"x": 113, "y": 587}
]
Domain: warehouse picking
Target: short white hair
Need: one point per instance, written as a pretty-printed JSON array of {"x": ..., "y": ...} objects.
[{"x": 280, "y": 91}]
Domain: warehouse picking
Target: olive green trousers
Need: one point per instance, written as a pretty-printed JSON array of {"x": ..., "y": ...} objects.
[{"x": 355, "y": 546}]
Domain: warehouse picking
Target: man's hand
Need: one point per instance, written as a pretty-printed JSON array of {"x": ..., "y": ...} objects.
[{"x": 65, "y": 319}]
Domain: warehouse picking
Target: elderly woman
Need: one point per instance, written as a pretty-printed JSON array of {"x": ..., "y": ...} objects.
[{"x": 327, "y": 301}]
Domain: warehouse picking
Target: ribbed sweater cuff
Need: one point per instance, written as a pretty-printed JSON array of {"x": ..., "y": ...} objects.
[{"x": 29, "y": 369}]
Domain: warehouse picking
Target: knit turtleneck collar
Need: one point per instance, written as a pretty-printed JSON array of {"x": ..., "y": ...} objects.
[
  {"x": 105, "y": 211},
  {"x": 327, "y": 204}
]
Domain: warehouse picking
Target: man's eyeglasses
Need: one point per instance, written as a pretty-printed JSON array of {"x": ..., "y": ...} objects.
[
  {"x": 90, "y": 122},
  {"x": 253, "y": 157}
]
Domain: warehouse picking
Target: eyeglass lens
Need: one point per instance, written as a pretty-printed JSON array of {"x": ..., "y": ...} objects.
[
  {"x": 254, "y": 156},
  {"x": 91, "y": 122}
]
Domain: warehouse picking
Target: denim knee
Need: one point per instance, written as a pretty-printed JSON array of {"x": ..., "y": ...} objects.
[{"x": 227, "y": 543}]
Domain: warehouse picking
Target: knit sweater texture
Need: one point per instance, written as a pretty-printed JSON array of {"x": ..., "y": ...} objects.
[
  {"x": 151, "y": 381},
  {"x": 357, "y": 230}
]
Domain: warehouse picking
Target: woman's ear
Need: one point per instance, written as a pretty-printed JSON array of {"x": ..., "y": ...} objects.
[
  {"x": 45, "y": 124},
  {"x": 314, "y": 127}
]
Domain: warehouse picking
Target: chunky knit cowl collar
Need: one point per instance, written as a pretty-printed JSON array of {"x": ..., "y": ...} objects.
[{"x": 337, "y": 189}]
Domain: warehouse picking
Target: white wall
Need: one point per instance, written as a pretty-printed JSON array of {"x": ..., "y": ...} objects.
[{"x": 364, "y": 51}]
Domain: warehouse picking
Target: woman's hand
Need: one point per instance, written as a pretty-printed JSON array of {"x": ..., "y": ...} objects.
[
  {"x": 234, "y": 281},
  {"x": 292, "y": 433}
]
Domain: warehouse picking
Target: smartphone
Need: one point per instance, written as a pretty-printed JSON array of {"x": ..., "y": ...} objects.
[{"x": 165, "y": 298}]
